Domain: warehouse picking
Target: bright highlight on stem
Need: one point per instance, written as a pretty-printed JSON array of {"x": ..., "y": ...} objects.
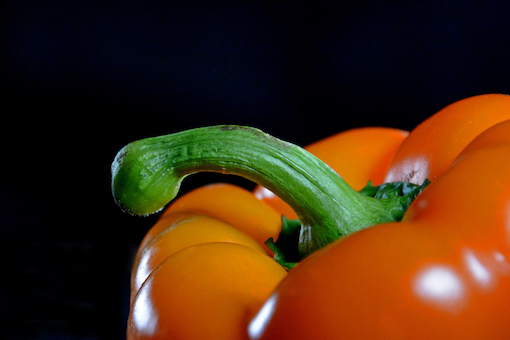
[{"x": 146, "y": 175}]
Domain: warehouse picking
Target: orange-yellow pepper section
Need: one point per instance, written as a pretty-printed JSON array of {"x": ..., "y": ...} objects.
[
  {"x": 206, "y": 291},
  {"x": 182, "y": 233},
  {"x": 233, "y": 205},
  {"x": 421, "y": 157}
]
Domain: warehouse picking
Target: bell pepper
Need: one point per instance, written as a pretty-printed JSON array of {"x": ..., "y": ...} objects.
[
  {"x": 441, "y": 273},
  {"x": 347, "y": 269}
]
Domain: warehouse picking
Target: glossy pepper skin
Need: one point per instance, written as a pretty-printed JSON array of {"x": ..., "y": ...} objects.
[
  {"x": 222, "y": 201},
  {"x": 442, "y": 273},
  {"x": 234, "y": 205},
  {"x": 183, "y": 233},
  {"x": 193, "y": 264},
  {"x": 205, "y": 291},
  {"x": 213, "y": 213},
  {"x": 226, "y": 202},
  {"x": 434, "y": 144}
]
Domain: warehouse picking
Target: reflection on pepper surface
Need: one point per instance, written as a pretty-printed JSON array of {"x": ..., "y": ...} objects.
[
  {"x": 260, "y": 321},
  {"x": 440, "y": 285},
  {"x": 145, "y": 317}
]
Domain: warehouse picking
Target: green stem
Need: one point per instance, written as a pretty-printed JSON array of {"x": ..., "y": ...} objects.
[{"x": 146, "y": 175}]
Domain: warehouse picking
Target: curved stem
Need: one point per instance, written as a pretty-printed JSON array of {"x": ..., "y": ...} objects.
[{"x": 146, "y": 175}]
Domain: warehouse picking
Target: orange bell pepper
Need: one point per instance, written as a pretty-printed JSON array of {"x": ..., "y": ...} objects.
[
  {"x": 444, "y": 263},
  {"x": 442, "y": 273}
]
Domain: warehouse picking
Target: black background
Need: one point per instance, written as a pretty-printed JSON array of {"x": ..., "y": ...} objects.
[{"x": 81, "y": 79}]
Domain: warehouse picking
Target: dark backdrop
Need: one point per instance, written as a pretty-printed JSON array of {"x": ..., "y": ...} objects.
[{"x": 81, "y": 79}]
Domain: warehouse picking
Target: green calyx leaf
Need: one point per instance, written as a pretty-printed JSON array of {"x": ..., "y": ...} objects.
[
  {"x": 286, "y": 248},
  {"x": 402, "y": 192},
  {"x": 393, "y": 189}
]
